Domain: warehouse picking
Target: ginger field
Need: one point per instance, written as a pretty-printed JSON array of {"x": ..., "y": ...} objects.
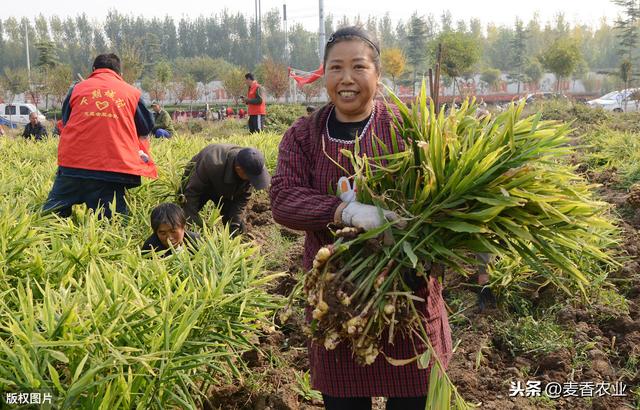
[{"x": 88, "y": 320}]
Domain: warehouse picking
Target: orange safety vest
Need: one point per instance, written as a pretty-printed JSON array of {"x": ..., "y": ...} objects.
[
  {"x": 101, "y": 134},
  {"x": 256, "y": 109}
]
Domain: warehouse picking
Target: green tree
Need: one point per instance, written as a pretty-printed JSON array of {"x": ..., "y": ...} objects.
[
  {"x": 303, "y": 49},
  {"x": 602, "y": 48},
  {"x": 475, "y": 28},
  {"x": 416, "y": 46},
  {"x": 273, "y": 37},
  {"x": 497, "y": 51},
  {"x": 157, "y": 83},
  {"x": 132, "y": 63},
  {"x": 562, "y": 59},
  {"x": 446, "y": 22},
  {"x": 534, "y": 72},
  {"x": 627, "y": 33},
  {"x": 203, "y": 69},
  {"x": 460, "y": 52},
  {"x": 169, "y": 39},
  {"x": 387, "y": 37},
  {"x": 627, "y": 27},
  {"x": 59, "y": 80},
  {"x": 150, "y": 51},
  {"x": 42, "y": 29},
  {"x": 518, "y": 53},
  {"x": 47, "y": 54},
  {"x": 99, "y": 42},
  {"x": 47, "y": 61},
  {"x": 491, "y": 77}
]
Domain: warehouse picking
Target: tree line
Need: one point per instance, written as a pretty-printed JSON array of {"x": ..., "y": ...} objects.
[{"x": 166, "y": 54}]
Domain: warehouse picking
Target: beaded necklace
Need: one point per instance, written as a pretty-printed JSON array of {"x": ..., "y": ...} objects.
[{"x": 358, "y": 138}]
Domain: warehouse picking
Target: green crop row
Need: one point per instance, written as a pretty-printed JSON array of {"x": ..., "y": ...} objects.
[{"x": 86, "y": 317}]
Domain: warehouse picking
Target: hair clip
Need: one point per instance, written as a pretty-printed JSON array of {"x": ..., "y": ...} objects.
[{"x": 332, "y": 38}]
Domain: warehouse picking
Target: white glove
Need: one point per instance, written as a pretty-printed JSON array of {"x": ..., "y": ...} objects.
[
  {"x": 366, "y": 217},
  {"x": 345, "y": 192}
]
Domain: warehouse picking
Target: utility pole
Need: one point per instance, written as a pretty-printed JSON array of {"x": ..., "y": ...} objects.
[
  {"x": 286, "y": 48},
  {"x": 286, "y": 34},
  {"x": 26, "y": 38},
  {"x": 257, "y": 32},
  {"x": 321, "y": 40}
]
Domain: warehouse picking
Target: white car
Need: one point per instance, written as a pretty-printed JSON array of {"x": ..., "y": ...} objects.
[
  {"x": 18, "y": 113},
  {"x": 618, "y": 101}
]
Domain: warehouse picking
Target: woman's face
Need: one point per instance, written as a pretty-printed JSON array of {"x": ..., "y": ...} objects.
[{"x": 351, "y": 80}]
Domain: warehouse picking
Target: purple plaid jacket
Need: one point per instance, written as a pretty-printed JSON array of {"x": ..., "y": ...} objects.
[{"x": 301, "y": 200}]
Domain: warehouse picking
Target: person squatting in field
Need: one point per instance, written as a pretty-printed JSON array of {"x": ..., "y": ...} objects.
[
  {"x": 224, "y": 174},
  {"x": 104, "y": 149},
  {"x": 301, "y": 199},
  {"x": 163, "y": 124},
  {"x": 169, "y": 231},
  {"x": 34, "y": 129}
]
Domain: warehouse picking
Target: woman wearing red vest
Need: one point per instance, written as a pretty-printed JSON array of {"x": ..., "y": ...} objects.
[
  {"x": 255, "y": 104},
  {"x": 104, "y": 148}
]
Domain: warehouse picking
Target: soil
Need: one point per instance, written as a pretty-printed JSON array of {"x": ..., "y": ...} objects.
[{"x": 481, "y": 370}]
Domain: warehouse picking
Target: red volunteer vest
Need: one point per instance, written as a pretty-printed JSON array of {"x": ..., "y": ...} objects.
[
  {"x": 100, "y": 134},
  {"x": 256, "y": 109}
]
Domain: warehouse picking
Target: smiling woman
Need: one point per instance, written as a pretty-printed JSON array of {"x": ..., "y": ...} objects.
[
  {"x": 311, "y": 161},
  {"x": 352, "y": 75}
]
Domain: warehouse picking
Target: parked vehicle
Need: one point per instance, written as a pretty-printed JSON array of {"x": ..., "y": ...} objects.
[
  {"x": 18, "y": 113},
  {"x": 618, "y": 101}
]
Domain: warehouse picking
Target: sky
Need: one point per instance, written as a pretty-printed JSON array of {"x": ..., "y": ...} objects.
[{"x": 306, "y": 11}]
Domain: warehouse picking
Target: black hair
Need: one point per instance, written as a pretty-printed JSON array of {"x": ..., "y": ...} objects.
[
  {"x": 249, "y": 76},
  {"x": 310, "y": 109},
  {"x": 167, "y": 213},
  {"x": 110, "y": 61},
  {"x": 353, "y": 33}
]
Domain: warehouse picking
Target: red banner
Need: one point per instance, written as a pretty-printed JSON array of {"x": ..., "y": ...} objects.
[{"x": 305, "y": 77}]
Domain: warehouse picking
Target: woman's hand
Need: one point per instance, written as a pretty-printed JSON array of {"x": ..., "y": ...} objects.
[{"x": 365, "y": 216}]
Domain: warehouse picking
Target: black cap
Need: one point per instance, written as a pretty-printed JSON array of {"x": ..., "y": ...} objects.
[{"x": 252, "y": 163}]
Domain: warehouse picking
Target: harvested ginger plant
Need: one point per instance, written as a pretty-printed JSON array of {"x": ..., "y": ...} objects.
[{"x": 462, "y": 186}]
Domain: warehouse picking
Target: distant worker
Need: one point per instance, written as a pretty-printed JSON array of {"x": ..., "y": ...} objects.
[
  {"x": 241, "y": 113},
  {"x": 230, "y": 112},
  {"x": 310, "y": 109},
  {"x": 104, "y": 149},
  {"x": 163, "y": 124},
  {"x": 255, "y": 104},
  {"x": 224, "y": 174},
  {"x": 34, "y": 129}
]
